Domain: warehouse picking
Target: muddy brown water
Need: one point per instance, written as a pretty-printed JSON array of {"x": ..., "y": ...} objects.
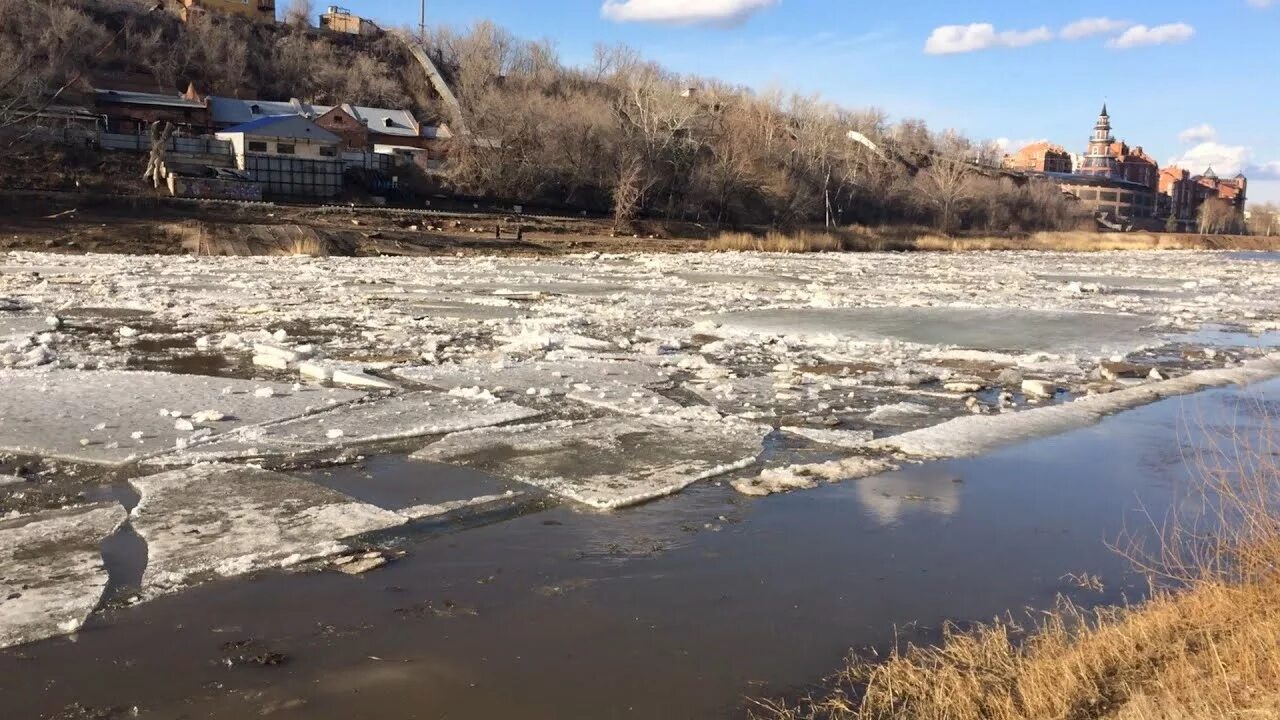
[{"x": 681, "y": 608}]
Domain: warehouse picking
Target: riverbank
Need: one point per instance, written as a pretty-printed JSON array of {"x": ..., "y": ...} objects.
[{"x": 85, "y": 222}]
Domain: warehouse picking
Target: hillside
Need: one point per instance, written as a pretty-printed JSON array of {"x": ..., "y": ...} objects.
[{"x": 131, "y": 44}]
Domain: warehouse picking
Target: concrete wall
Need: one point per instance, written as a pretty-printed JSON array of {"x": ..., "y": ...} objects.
[
  {"x": 214, "y": 189},
  {"x": 303, "y": 148}
]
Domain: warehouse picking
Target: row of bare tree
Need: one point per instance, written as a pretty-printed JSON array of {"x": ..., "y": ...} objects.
[{"x": 627, "y": 136}]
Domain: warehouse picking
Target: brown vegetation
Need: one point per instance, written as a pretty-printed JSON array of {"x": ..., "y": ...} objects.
[
  {"x": 1205, "y": 645},
  {"x": 908, "y": 238}
]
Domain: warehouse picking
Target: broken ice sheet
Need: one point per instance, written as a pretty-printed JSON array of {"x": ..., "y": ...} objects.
[
  {"x": 225, "y": 520},
  {"x": 394, "y": 418},
  {"x": 1006, "y": 329},
  {"x": 51, "y": 571},
  {"x": 556, "y": 378},
  {"x": 607, "y": 463},
  {"x": 113, "y": 417}
]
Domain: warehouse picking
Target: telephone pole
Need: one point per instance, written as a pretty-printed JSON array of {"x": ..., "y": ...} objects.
[{"x": 422, "y": 23}]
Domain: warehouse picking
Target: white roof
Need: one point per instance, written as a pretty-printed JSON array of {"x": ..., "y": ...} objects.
[{"x": 384, "y": 121}]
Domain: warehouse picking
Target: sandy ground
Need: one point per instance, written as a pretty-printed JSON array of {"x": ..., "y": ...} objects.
[{"x": 595, "y": 380}]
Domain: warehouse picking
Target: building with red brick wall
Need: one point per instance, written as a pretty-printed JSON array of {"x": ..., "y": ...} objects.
[
  {"x": 1039, "y": 157},
  {"x": 1182, "y": 194},
  {"x": 354, "y": 133}
]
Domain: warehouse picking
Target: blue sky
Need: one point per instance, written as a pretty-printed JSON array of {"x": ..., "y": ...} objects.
[{"x": 1191, "y": 81}]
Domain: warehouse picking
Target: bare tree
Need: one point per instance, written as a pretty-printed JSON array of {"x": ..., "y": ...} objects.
[
  {"x": 946, "y": 185},
  {"x": 1217, "y": 216},
  {"x": 299, "y": 13}
]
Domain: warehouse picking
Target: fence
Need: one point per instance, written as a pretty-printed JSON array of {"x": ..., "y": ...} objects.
[
  {"x": 186, "y": 145},
  {"x": 380, "y": 162},
  {"x": 295, "y": 177}
]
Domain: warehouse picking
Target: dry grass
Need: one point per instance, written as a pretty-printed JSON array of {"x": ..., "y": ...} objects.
[
  {"x": 1210, "y": 652},
  {"x": 1205, "y": 645},
  {"x": 863, "y": 239},
  {"x": 801, "y": 242}
]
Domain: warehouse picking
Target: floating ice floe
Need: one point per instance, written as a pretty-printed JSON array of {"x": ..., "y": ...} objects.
[
  {"x": 556, "y": 377},
  {"x": 837, "y": 438},
  {"x": 224, "y": 520},
  {"x": 50, "y": 413},
  {"x": 51, "y": 571},
  {"x": 807, "y": 476},
  {"x": 607, "y": 463},
  {"x": 397, "y": 417},
  {"x": 976, "y": 434}
]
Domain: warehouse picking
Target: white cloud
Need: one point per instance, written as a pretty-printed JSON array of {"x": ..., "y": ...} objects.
[
  {"x": 1226, "y": 160},
  {"x": 1012, "y": 146},
  {"x": 1262, "y": 3},
  {"x": 684, "y": 12},
  {"x": 1200, "y": 134},
  {"x": 1089, "y": 27},
  {"x": 952, "y": 39},
  {"x": 1141, "y": 35}
]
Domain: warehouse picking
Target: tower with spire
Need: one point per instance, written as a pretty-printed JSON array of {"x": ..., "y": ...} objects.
[{"x": 1099, "y": 160}]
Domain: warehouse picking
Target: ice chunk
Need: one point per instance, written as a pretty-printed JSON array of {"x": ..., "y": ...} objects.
[
  {"x": 44, "y": 413},
  {"x": 610, "y": 462},
  {"x": 225, "y": 520},
  {"x": 1004, "y": 329},
  {"x": 625, "y": 399},
  {"x": 977, "y": 434},
  {"x": 806, "y": 476},
  {"x": 393, "y": 418},
  {"x": 898, "y": 414},
  {"x": 838, "y": 438},
  {"x": 558, "y": 378},
  {"x": 51, "y": 573}
]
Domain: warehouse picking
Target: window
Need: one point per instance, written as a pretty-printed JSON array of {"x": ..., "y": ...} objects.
[
  {"x": 257, "y": 146},
  {"x": 326, "y": 151},
  {"x": 1108, "y": 196},
  {"x": 285, "y": 149},
  {"x": 1088, "y": 194}
]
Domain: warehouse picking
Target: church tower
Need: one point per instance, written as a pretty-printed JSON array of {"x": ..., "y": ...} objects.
[{"x": 1099, "y": 160}]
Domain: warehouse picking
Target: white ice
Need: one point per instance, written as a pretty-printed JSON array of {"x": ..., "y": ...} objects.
[
  {"x": 607, "y": 463},
  {"x": 51, "y": 571},
  {"x": 56, "y": 414},
  {"x": 398, "y": 417},
  {"x": 224, "y": 520}
]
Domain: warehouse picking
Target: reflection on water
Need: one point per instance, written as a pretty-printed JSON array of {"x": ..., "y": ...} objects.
[{"x": 920, "y": 489}]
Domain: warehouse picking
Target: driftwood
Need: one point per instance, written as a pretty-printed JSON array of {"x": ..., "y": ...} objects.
[{"x": 160, "y": 136}]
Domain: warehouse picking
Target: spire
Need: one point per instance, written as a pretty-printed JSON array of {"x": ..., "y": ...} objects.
[
  {"x": 1104, "y": 111},
  {"x": 1210, "y": 173}
]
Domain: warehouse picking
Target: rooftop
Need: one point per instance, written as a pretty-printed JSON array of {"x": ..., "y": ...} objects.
[
  {"x": 283, "y": 126},
  {"x": 128, "y": 97}
]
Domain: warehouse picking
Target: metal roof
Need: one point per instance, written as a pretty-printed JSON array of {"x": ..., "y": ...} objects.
[
  {"x": 283, "y": 126},
  {"x": 384, "y": 121},
  {"x": 126, "y": 97}
]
